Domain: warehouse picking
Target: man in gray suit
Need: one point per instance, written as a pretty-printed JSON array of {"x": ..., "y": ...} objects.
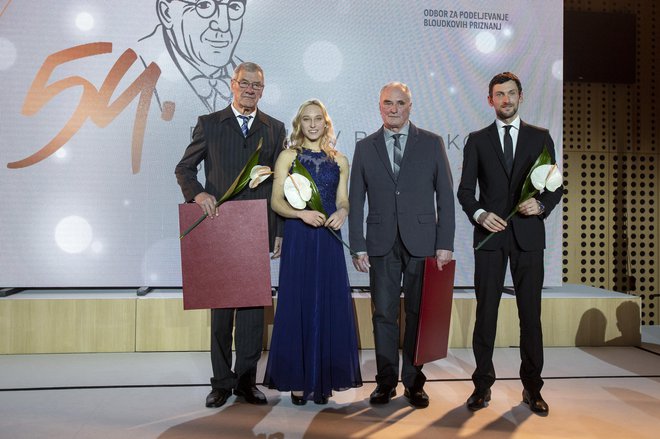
[{"x": 405, "y": 173}]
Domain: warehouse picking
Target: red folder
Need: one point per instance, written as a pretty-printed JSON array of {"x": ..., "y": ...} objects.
[
  {"x": 434, "y": 312},
  {"x": 224, "y": 260}
]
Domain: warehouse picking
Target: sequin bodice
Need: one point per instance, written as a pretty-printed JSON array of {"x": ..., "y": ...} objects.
[{"x": 325, "y": 172}]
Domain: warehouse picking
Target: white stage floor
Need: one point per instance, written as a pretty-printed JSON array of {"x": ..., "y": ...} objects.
[{"x": 607, "y": 392}]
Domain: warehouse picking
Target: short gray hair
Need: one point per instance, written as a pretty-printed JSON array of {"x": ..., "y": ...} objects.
[
  {"x": 248, "y": 67},
  {"x": 397, "y": 84}
]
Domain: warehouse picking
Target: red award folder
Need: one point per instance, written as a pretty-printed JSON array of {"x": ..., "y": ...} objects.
[
  {"x": 434, "y": 312},
  {"x": 224, "y": 260}
]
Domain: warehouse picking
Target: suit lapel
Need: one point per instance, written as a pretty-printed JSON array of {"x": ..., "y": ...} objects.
[
  {"x": 524, "y": 151},
  {"x": 494, "y": 137},
  {"x": 259, "y": 121},
  {"x": 381, "y": 151},
  {"x": 228, "y": 113},
  {"x": 413, "y": 132}
]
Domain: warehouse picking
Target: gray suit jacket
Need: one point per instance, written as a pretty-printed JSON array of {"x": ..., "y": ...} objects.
[{"x": 420, "y": 203}]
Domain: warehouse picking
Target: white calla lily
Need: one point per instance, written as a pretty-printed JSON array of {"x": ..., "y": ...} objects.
[
  {"x": 258, "y": 174},
  {"x": 546, "y": 177},
  {"x": 297, "y": 190}
]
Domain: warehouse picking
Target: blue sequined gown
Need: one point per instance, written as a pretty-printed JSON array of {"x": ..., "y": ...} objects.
[{"x": 314, "y": 344}]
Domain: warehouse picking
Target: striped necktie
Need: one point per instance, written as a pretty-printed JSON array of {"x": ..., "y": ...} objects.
[
  {"x": 398, "y": 155},
  {"x": 244, "y": 125}
]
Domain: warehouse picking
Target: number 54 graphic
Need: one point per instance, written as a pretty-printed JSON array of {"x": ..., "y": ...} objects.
[{"x": 94, "y": 104}]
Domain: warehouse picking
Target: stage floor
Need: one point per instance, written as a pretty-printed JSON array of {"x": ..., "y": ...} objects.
[{"x": 596, "y": 392}]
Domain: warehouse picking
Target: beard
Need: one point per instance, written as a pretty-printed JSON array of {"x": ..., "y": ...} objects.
[{"x": 507, "y": 112}]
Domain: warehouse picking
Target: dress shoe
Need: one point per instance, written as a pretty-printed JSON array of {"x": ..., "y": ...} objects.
[
  {"x": 217, "y": 397},
  {"x": 478, "y": 399},
  {"x": 251, "y": 394},
  {"x": 382, "y": 394},
  {"x": 535, "y": 402},
  {"x": 298, "y": 400},
  {"x": 417, "y": 397},
  {"x": 321, "y": 400}
]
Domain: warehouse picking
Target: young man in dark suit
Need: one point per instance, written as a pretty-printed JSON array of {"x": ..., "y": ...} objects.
[
  {"x": 498, "y": 159},
  {"x": 225, "y": 140},
  {"x": 404, "y": 172}
]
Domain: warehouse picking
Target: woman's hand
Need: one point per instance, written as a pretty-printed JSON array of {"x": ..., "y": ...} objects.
[
  {"x": 337, "y": 219},
  {"x": 312, "y": 217}
]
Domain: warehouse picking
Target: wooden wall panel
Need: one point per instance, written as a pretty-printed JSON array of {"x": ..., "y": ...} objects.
[
  {"x": 163, "y": 325},
  {"x": 32, "y": 326},
  {"x": 610, "y": 167}
]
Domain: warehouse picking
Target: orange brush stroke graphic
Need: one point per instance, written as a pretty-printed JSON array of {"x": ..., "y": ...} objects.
[
  {"x": 94, "y": 104},
  {"x": 5, "y": 8}
]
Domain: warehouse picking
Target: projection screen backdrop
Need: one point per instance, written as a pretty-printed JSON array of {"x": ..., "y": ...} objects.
[{"x": 98, "y": 106}]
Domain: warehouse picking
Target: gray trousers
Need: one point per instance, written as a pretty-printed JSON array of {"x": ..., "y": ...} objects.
[{"x": 385, "y": 280}]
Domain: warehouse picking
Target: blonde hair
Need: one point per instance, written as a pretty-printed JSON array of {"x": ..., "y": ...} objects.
[{"x": 328, "y": 140}]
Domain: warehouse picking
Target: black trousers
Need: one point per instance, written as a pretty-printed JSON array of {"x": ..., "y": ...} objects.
[
  {"x": 385, "y": 279},
  {"x": 527, "y": 273},
  {"x": 249, "y": 344}
]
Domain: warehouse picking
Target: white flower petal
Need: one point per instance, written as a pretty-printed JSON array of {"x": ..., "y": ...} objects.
[
  {"x": 258, "y": 170},
  {"x": 539, "y": 175},
  {"x": 299, "y": 193},
  {"x": 258, "y": 174},
  {"x": 553, "y": 181},
  {"x": 257, "y": 181}
]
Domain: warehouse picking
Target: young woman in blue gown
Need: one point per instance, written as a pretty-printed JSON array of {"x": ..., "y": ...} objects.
[{"x": 313, "y": 348}]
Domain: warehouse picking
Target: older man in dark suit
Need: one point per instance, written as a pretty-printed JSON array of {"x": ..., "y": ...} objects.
[
  {"x": 498, "y": 159},
  {"x": 404, "y": 172},
  {"x": 225, "y": 140}
]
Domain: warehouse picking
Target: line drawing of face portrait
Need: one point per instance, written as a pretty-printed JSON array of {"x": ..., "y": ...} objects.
[{"x": 201, "y": 38}]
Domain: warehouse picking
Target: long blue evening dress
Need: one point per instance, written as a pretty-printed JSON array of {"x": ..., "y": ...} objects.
[{"x": 314, "y": 343}]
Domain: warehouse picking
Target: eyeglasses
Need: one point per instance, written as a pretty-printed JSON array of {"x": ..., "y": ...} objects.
[
  {"x": 209, "y": 8},
  {"x": 256, "y": 86}
]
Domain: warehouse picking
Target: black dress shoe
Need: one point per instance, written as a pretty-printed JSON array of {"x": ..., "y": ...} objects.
[
  {"x": 217, "y": 397},
  {"x": 478, "y": 399},
  {"x": 298, "y": 400},
  {"x": 251, "y": 394},
  {"x": 417, "y": 397},
  {"x": 382, "y": 394},
  {"x": 321, "y": 400},
  {"x": 535, "y": 402}
]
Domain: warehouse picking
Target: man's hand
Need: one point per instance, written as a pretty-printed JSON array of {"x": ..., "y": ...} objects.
[
  {"x": 443, "y": 257},
  {"x": 277, "y": 248},
  {"x": 361, "y": 263},
  {"x": 530, "y": 207},
  {"x": 337, "y": 219},
  {"x": 207, "y": 202},
  {"x": 491, "y": 222}
]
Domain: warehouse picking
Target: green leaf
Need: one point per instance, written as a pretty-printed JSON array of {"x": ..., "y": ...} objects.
[
  {"x": 239, "y": 183},
  {"x": 314, "y": 202},
  {"x": 243, "y": 178},
  {"x": 528, "y": 189}
]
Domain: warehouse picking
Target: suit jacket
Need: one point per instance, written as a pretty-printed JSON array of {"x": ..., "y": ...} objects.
[
  {"x": 218, "y": 140},
  {"x": 419, "y": 204},
  {"x": 483, "y": 164}
]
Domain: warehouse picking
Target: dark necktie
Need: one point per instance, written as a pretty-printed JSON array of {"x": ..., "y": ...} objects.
[
  {"x": 397, "y": 156},
  {"x": 508, "y": 148},
  {"x": 244, "y": 126}
]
